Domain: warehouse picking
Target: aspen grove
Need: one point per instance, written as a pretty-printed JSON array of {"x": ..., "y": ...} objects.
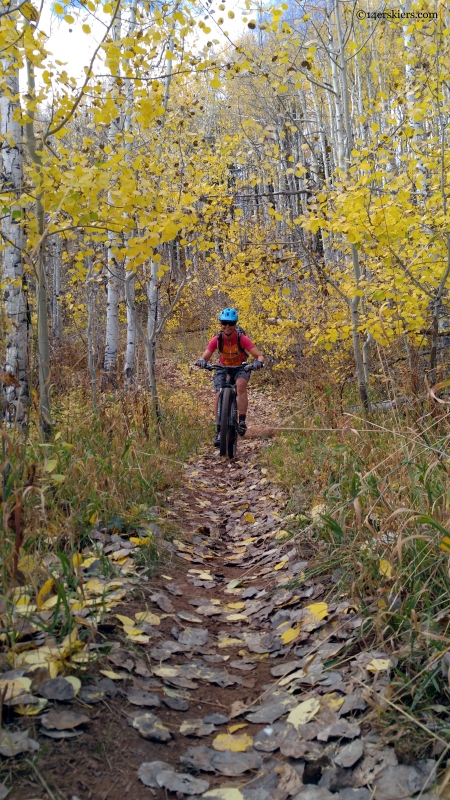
[{"x": 298, "y": 169}]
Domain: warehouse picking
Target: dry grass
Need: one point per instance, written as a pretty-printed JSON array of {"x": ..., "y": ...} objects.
[{"x": 371, "y": 499}]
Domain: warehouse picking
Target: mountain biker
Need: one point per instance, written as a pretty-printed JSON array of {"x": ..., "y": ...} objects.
[{"x": 232, "y": 345}]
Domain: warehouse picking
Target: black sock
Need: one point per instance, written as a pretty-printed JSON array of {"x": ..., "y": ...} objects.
[{"x": 242, "y": 417}]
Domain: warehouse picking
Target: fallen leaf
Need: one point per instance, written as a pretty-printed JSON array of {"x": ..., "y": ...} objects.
[
  {"x": 151, "y": 727},
  {"x": 385, "y": 568},
  {"x": 139, "y": 697},
  {"x": 281, "y": 564},
  {"x": 147, "y": 616},
  {"x": 236, "y": 744},
  {"x": 61, "y": 734},
  {"x": 291, "y": 634},
  {"x": 181, "y": 782},
  {"x": 44, "y": 592},
  {"x": 12, "y": 743},
  {"x": 225, "y": 794},
  {"x": 11, "y": 689},
  {"x": 196, "y": 727},
  {"x": 233, "y": 764},
  {"x": 378, "y": 665},
  {"x": 320, "y": 610},
  {"x": 237, "y": 727},
  {"x": 63, "y": 720},
  {"x": 290, "y": 781},
  {"x": 130, "y": 623},
  {"x": 148, "y": 771},
  {"x": 228, "y": 642},
  {"x": 236, "y": 618},
  {"x": 249, "y": 517},
  {"x": 57, "y": 689},
  {"x": 114, "y": 676},
  {"x": 304, "y": 712},
  {"x": 31, "y": 710}
]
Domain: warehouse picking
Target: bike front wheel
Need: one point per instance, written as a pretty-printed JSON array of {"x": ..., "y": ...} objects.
[{"x": 227, "y": 426}]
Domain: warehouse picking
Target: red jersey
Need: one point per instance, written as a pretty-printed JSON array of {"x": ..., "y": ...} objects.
[{"x": 231, "y": 355}]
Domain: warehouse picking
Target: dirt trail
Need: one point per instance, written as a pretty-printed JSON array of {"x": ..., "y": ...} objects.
[{"x": 245, "y": 689}]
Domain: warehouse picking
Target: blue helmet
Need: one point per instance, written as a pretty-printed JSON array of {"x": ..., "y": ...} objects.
[{"x": 229, "y": 315}]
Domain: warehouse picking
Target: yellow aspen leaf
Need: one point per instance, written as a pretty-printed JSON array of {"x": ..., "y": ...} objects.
[
  {"x": 165, "y": 672},
  {"x": 86, "y": 28},
  {"x": 378, "y": 665},
  {"x": 142, "y": 638},
  {"x": 291, "y": 634},
  {"x": 141, "y": 542},
  {"x": 88, "y": 561},
  {"x": 333, "y": 701},
  {"x": 114, "y": 676},
  {"x": 215, "y": 83},
  {"x": 148, "y": 616},
  {"x": 236, "y": 744},
  {"x": 304, "y": 712},
  {"x": 30, "y": 709},
  {"x": 445, "y": 544},
  {"x": 44, "y": 593},
  {"x": 237, "y": 606},
  {"x": 132, "y": 631},
  {"x": 281, "y": 534},
  {"x": 50, "y": 603},
  {"x": 130, "y": 623},
  {"x": 300, "y": 673},
  {"x": 320, "y": 610},
  {"x": 281, "y": 564},
  {"x": 77, "y": 560},
  {"x": 249, "y": 517},
  {"x": 385, "y": 568},
  {"x": 228, "y": 642},
  {"x": 237, "y": 618},
  {"x": 237, "y": 727}
]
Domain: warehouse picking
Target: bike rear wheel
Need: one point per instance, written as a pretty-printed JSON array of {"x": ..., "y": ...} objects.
[{"x": 226, "y": 409}]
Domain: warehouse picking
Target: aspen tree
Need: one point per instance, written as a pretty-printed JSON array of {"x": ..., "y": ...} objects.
[{"x": 15, "y": 391}]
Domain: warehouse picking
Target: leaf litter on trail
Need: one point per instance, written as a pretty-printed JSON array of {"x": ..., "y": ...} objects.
[
  {"x": 196, "y": 727},
  {"x": 151, "y": 727},
  {"x": 63, "y": 720},
  {"x": 236, "y": 744},
  {"x": 139, "y": 697}
]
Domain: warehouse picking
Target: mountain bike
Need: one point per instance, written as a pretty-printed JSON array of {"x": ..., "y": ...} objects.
[{"x": 227, "y": 411}]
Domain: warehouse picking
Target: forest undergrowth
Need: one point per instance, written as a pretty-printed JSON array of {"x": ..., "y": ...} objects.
[{"x": 106, "y": 467}]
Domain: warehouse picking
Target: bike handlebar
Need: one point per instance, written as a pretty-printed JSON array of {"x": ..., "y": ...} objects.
[{"x": 212, "y": 367}]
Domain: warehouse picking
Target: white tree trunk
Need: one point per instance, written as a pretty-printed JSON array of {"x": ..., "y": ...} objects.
[
  {"x": 15, "y": 394},
  {"x": 362, "y": 373},
  {"x": 90, "y": 304},
  {"x": 130, "y": 353},
  {"x": 112, "y": 305},
  {"x": 41, "y": 277}
]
